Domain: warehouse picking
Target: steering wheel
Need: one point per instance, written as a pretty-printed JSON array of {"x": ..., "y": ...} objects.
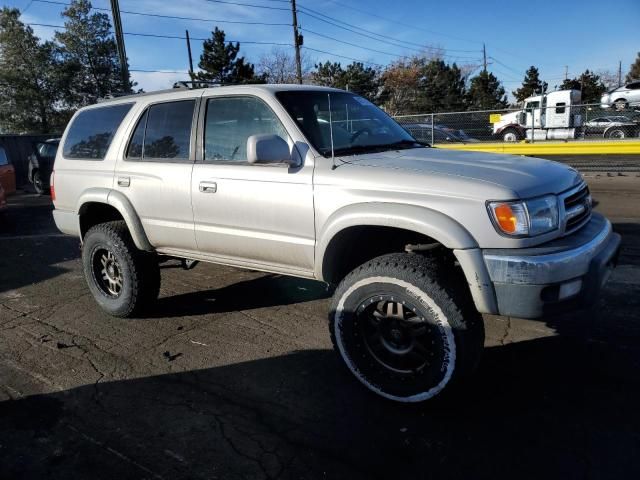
[{"x": 357, "y": 133}]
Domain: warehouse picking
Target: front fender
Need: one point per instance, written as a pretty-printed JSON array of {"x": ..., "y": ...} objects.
[
  {"x": 408, "y": 217},
  {"x": 122, "y": 204}
]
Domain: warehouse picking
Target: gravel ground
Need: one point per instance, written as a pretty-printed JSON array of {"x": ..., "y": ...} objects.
[{"x": 231, "y": 376}]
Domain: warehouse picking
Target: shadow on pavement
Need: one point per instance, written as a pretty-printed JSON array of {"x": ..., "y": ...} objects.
[
  {"x": 30, "y": 244},
  {"x": 264, "y": 291},
  {"x": 552, "y": 408}
]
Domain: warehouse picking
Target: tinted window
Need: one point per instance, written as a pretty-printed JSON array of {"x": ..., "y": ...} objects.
[
  {"x": 135, "y": 145},
  {"x": 92, "y": 130},
  {"x": 633, "y": 85},
  {"x": 3, "y": 157},
  {"x": 560, "y": 107},
  {"x": 230, "y": 121},
  {"x": 168, "y": 132}
]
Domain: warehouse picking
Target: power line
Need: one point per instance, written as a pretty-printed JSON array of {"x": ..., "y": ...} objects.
[
  {"x": 342, "y": 56},
  {"x": 388, "y": 42},
  {"x": 174, "y": 17},
  {"x": 397, "y": 22},
  {"x": 174, "y": 37},
  {"x": 248, "y": 5},
  {"x": 349, "y": 43}
]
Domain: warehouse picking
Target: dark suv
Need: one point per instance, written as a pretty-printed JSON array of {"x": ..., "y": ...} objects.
[{"x": 41, "y": 164}]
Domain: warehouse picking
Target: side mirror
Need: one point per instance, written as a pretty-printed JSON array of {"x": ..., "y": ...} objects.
[{"x": 268, "y": 148}]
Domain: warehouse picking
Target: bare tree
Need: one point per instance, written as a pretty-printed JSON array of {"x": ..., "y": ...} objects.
[
  {"x": 279, "y": 66},
  {"x": 609, "y": 79}
]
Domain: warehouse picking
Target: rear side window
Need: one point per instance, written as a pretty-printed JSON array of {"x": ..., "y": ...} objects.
[
  {"x": 163, "y": 132},
  {"x": 92, "y": 131},
  {"x": 560, "y": 107}
]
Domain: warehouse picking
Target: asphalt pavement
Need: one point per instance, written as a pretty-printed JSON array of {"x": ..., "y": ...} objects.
[{"x": 231, "y": 376}]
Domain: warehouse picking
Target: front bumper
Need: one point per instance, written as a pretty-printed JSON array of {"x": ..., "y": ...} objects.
[{"x": 561, "y": 275}]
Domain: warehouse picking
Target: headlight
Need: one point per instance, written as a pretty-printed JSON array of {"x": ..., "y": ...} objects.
[{"x": 525, "y": 218}]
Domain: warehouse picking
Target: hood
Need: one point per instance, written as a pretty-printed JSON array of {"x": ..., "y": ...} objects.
[{"x": 525, "y": 176}]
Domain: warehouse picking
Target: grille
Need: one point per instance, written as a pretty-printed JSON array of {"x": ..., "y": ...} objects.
[{"x": 577, "y": 207}]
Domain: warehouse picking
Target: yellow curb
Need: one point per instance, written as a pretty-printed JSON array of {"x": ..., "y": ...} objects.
[{"x": 618, "y": 147}]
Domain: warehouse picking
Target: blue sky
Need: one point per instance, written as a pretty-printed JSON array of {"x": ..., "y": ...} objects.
[{"x": 550, "y": 34}]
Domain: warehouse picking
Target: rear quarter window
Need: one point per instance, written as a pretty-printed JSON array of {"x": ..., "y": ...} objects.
[{"x": 92, "y": 131}]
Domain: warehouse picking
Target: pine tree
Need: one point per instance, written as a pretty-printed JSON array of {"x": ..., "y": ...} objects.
[
  {"x": 361, "y": 80},
  {"x": 634, "y": 70},
  {"x": 90, "y": 55},
  {"x": 219, "y": 62},
  {"x": 531, "y": 85},
  {"x": 328, "y": 74},
  {"x": 485, "y": 92},
  {"x": 441, "y": 87},
  {"x": 589, "y": 84},
  {"x": 29, "y": 80}
]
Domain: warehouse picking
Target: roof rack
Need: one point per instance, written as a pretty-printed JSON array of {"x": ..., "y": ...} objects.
[{"x": 194, "y": 84}]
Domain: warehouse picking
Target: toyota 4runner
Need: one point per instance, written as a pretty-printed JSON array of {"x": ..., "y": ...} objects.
[{"x": 319, "y": 183}]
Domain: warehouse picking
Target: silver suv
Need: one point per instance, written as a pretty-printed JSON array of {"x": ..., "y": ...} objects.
[
  {"x": 319, "y": 183},
  {"x": 623, "y": 97}
]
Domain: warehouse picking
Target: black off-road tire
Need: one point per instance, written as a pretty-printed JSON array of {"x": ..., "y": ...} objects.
[
  {"x": 434, "y": 293},
  {"x": 139, "y": 271}
]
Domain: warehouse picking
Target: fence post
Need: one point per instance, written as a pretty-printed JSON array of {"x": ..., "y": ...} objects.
[
  {"x": 533, "y": 123},
  {"x": 432, "y": 128}
]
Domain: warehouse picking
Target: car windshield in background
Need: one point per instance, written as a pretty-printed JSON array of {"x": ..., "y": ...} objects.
[
  {"x": 358, "y": 126},
  {"x": 47, "y": 149}
]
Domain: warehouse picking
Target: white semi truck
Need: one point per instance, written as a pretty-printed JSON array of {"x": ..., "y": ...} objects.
[{"x": 551, "y": 116}]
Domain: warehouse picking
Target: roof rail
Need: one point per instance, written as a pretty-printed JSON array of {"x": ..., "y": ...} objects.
[{"x": 193, "y": 84}]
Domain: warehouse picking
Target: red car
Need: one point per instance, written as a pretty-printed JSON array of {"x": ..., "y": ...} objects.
[{"x": 7, "y": 174}]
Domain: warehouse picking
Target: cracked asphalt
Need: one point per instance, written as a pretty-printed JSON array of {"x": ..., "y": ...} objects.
[{"x": 231, "y": 376}]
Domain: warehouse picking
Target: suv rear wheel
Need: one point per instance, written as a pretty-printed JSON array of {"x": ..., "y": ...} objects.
[
  {"x": 406, "y": 327},
  {"x": 122, "y": 279}
]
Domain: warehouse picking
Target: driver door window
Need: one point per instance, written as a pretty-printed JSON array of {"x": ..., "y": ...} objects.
[{"x": 231, "y": 121}]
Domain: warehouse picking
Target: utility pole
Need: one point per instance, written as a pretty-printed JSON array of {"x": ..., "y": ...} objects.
[
  {"x": 484, "y": 57},
  {"x": 620, "y": 73},
  {"x": 566, "y": 72},
  {"x": 190, "y": 57},
  {"x": 122, "y": 53},
  {"x": 297, "y": 41}
]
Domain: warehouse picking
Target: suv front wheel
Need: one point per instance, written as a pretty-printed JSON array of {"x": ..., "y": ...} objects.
[
  {"x": 406, "y": 327},
  {"x": 122, "y": 279}
]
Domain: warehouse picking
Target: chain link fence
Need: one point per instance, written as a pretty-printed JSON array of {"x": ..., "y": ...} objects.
[{"x": 556, "y": 120}]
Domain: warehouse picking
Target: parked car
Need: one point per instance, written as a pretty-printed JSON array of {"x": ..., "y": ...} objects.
[
  {"x": 622, "y": 97},
  {"x": 41, "y": 164},
  {"x": 441, "y": 134},
  {"x": 7, "y": 173},
  {"x": 612, "y": 127},
  {"x": 415, "y": 242}
]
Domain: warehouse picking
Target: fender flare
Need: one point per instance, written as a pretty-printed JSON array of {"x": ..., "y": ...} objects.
[
  {"x": 414, "y": 218},
  {"x": 122, "y": 204}
]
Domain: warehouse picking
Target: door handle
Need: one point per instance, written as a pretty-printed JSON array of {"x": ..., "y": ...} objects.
[
  {"x": 124, "y": 181},
  {"x": 208, "y": 187}
]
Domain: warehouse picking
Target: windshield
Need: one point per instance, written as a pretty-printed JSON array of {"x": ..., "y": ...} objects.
[
  {"x": 47, "y": 149},
  {"x": 358, "y": 126}
]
